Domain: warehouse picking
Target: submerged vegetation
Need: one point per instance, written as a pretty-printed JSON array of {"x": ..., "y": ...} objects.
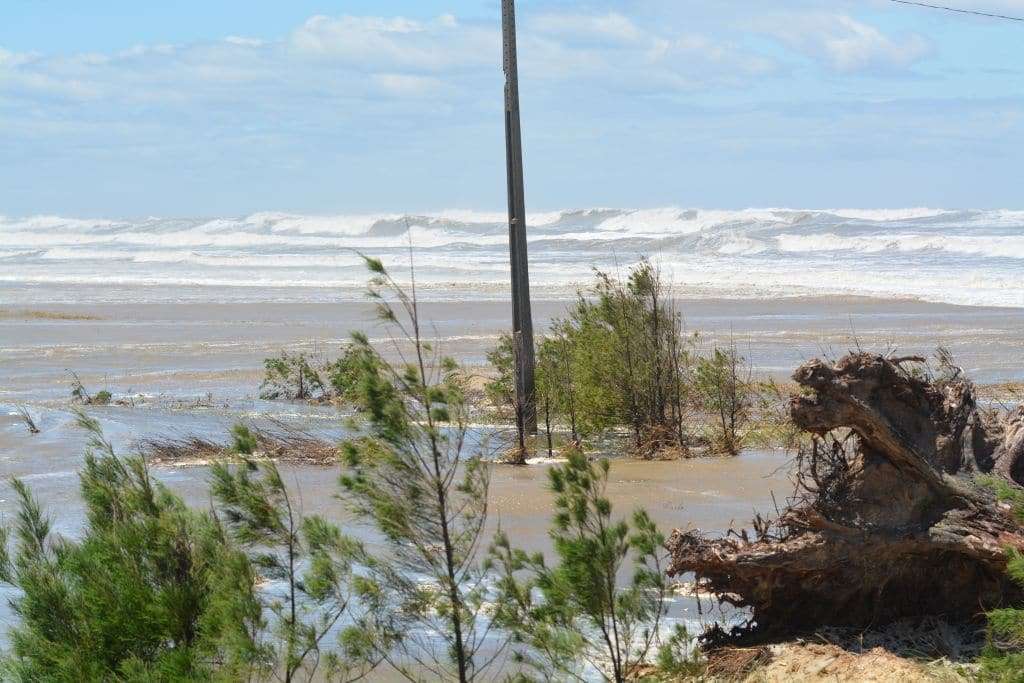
[
  {"x": 291, "y": 377},
  {"x": 80, "y": 394},
  {"x": 310, "y": 377},
  {"x": 618, "y": 364},
  {"x": 253, "y": 588},
  {"x": 723, "y": 387},
  {"x": 26, "y": 417},
  {"x": 620, "y": 361},
  {"x": 573, "y": 618}
]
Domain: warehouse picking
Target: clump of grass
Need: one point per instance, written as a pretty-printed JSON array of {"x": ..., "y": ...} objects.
[
  {"x": 33, "y": 314},
  {"x": 279, "y": 442},
  {"x": 245, "y": 442},
  {"x": 80, "y": 394},
  {"x": 26, "y": 417}
]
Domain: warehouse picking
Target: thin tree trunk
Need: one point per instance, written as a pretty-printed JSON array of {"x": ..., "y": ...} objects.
[{"x": 547, "y": 424}]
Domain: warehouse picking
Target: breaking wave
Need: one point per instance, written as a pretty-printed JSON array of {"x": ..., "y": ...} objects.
[{"x": 953, "y": 256}]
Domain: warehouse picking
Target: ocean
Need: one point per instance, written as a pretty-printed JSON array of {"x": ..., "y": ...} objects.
[{"x": 967, "y": 257}]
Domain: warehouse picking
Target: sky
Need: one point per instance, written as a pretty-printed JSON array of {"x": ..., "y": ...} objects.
[{"x": 120, "y": 108}]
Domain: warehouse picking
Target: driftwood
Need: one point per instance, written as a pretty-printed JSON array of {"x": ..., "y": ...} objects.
[{"x": 894, "y": 516}]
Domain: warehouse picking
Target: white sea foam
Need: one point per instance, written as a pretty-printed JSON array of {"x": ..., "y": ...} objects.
[
  {"x": 993, "y": 246},
  {"x": 886, "y": 215},
  {"x": 956, "y": 256}
]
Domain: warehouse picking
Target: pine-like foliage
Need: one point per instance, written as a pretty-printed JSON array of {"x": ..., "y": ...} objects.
[
  {"x": 291, "y": 377},
  {"x": 1003, "y": 659},
  {"x": 722, "y": 384},
  {"x": 150, "y": 592},
  {"x": 307, "y": 556},
  {"x": 618, "y": 359},
  {"x": 573, "y": 619},
  {"x": 412, "y": 474}
]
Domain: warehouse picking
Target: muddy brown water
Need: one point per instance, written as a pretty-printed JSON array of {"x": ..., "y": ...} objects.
[{"x": 169, "y": 356}]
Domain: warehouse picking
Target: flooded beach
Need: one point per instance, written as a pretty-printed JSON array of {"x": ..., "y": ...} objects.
[
  {"x": 195, "y": 368},
  {"x": 183, "y": 360},
  {"x": 448, "y": 340}
]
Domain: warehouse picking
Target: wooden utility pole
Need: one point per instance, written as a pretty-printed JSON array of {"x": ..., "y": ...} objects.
[{"x": 522, "y": 317}]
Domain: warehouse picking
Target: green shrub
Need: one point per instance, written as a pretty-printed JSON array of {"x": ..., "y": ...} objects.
[
  {"x": 312, "y": 558},
  {"x": 344, "y": 374},
  {"x": 565, "y": 616},
  {"x": 291, "y": 377},
  {"x": 501, "y": 390},
  {"x": 414, "y": 478},
  {"x": 244, "y": 442},
  {"x": 140, "y": 595},
  {"x": 618, "y": 359},
  {"x": 723, "y": 385},
  {"x": 1003, "y": 659}
]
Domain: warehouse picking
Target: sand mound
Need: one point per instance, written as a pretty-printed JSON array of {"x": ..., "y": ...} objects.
[{"x": 793, "y": 662}]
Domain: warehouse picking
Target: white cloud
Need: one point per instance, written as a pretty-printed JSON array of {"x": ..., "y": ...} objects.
[
  {"x": 245, "y": 42},
  {"x": 612, "y": 26},
  {"x": 844, "y": 43},
  {"x": 355, "y": 58},
  {"x": 397, "y": 43},
  {"x": 406, "y": 84},
  {"x": 615, "y": 53},
  {"x": 12, "y": 59}
]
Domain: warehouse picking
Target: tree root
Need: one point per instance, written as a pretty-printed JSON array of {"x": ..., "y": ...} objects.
[{"x": 893, "y": 516}]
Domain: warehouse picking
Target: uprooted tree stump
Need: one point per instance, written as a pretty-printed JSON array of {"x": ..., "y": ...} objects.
[{"x": 893, "y": 515}]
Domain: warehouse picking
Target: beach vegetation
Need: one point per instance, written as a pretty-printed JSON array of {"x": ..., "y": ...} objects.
[
  {"x": 305, "y": 377},
  {"x": 343, "y": 374},
  {"x": 150, "y": 590},
  {"x": 311, "y": 560},
  {"x": 618, "y": 359},
  {"x": 1003, "y": 658},
  {"x": 79, "y": 394},
  {"x": 572, "y": 619},
  {"x": 414, "y": 476},
  {"x": 724, "y": 387},
  {"x": 244, "y": 441},
  {"x": 500, "y": 389},
  {"x": 291, "y": 377},
  {"x": 557, "y": 389},
  {"x": 501, "y": 392}
]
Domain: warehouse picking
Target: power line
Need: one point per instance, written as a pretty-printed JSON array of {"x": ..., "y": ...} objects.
[{"x": 960, "y": 11}]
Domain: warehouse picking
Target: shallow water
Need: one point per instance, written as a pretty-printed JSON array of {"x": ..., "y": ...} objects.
[
  {"x": 187, "y": 350},
  {"x": 167, "y": 356},
  {"x": 711, "y": 494}
]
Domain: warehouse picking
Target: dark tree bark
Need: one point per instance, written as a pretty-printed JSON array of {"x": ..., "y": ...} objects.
[{"x": 893, "y": 516}]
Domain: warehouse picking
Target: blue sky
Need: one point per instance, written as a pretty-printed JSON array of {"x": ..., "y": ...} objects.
[{"x": 124, "y": 108}]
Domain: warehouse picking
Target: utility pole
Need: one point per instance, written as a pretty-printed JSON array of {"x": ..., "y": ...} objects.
[{"x": 522, "y": 316}]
